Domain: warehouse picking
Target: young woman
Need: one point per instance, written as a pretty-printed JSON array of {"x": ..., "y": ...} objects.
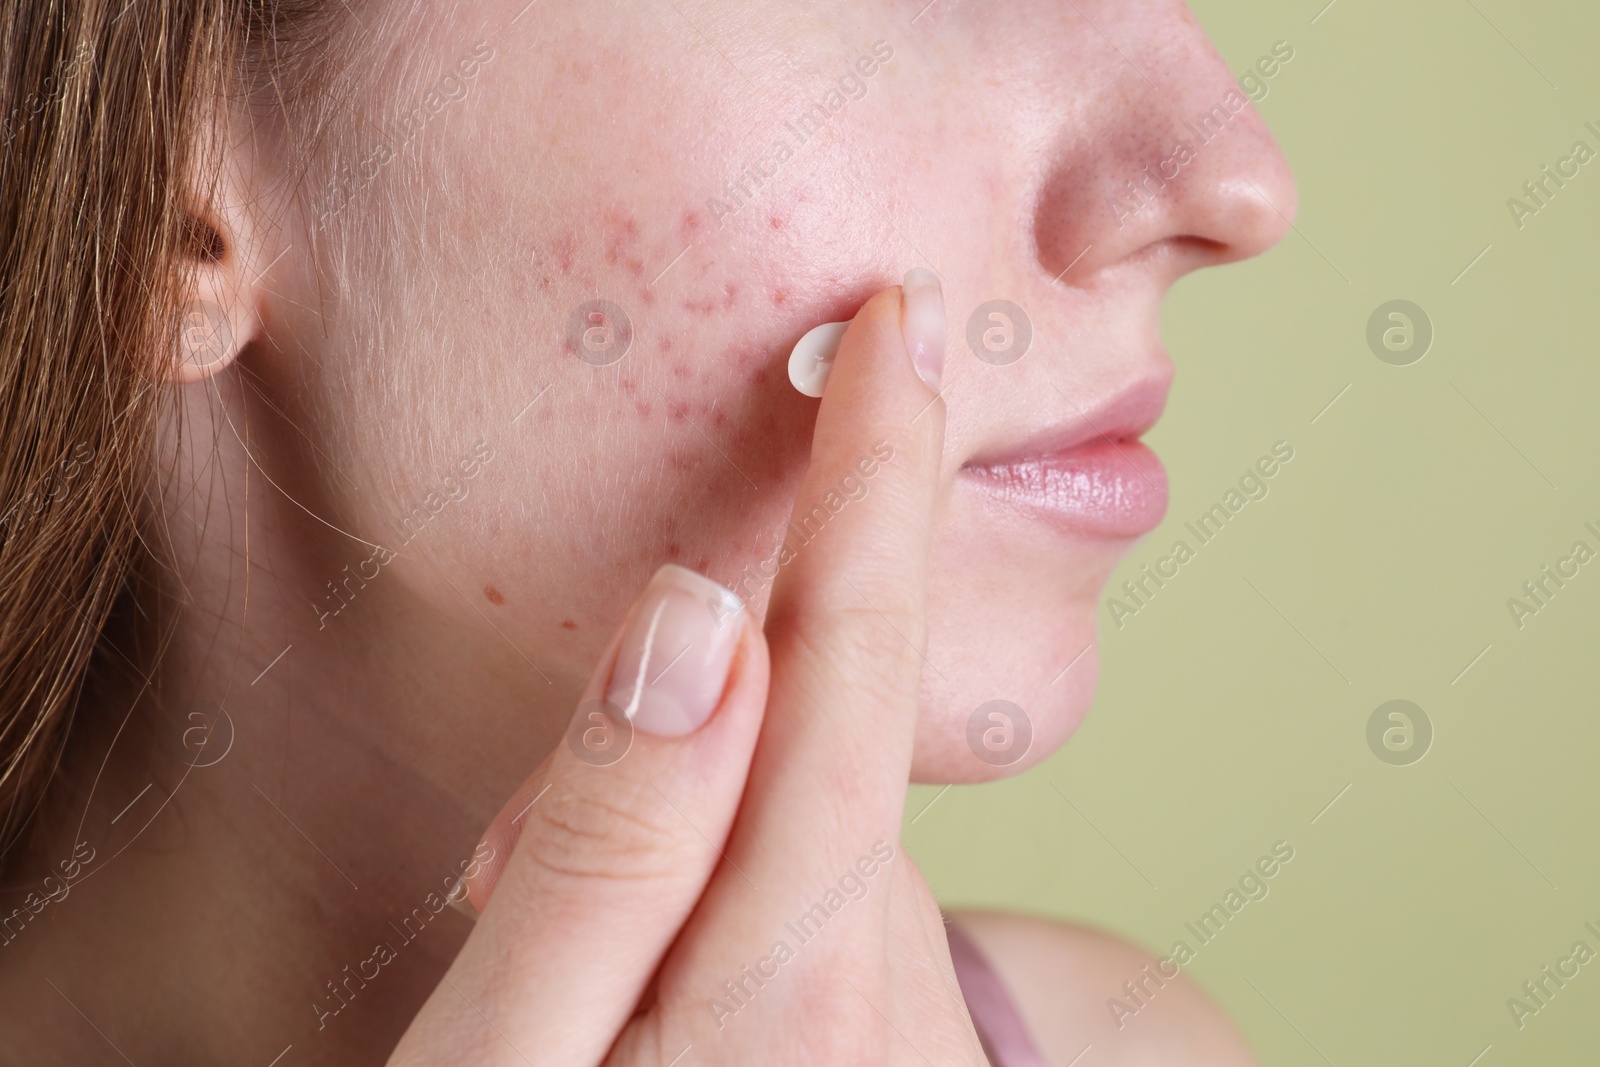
[{"x": 398, "y": 429}]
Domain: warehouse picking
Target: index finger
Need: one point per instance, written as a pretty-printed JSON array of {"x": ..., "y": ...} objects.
[{"x": 846, "y": 626}]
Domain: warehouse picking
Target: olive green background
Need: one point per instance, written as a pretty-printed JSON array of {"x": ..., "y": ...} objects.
[{"x": 1233, "y": 709}]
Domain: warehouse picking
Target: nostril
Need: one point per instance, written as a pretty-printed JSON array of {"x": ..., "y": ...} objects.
[{"x": 1205, "y": 249}]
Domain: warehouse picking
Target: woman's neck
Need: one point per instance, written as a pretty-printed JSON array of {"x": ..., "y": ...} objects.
[{"x": 260, "y": 830}]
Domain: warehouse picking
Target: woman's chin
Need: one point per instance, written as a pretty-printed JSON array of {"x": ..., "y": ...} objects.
[{"x": 1003, "y": 716}]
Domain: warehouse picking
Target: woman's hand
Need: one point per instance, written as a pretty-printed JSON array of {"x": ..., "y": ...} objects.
[{"x": 731, "y": 890}]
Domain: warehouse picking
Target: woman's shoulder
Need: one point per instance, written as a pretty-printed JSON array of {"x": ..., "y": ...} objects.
[{"x": 1078, "y": 988}]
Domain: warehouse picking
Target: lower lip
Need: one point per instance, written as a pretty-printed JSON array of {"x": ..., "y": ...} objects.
[{"x": 1108, "y": 489}]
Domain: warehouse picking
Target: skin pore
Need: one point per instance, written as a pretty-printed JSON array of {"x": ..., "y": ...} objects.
[{"x": 408, "y": 514}]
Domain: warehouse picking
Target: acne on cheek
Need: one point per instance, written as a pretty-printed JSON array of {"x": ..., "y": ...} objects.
[{"x": 706, "y": 392}]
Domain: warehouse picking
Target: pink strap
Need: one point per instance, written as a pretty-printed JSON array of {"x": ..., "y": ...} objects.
[{"x": 1005, "y": 1036}]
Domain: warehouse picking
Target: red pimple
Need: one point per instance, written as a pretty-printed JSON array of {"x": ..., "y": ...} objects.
[
  {"x": 566, "y": 250},
  {"x": 673, "y": 550},
  {"x": 665, "y": 344},
  {"x": 678, "y": 410},
  {"x": 775, "y": 222},
  {"x": 493, "y": 595},
  {"x": 732, "y": 296},
  {"x": 779, "y": 298},
  {"x": 568, "y": 624},
  {"x": 642, "y": 407},
  {"x": 620, "y": 223}
]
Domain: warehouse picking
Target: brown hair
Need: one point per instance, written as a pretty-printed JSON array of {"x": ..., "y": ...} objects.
[{"x": 101, "y": 108}]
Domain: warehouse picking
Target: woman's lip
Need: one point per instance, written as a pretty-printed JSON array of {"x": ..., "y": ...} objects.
[
  {"x": 1126, "y": 416},
  {"x": 1108, "y": 488}
]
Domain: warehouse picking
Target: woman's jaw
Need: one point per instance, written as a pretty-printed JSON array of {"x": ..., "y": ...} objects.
[{"x": 992, "y": 143}]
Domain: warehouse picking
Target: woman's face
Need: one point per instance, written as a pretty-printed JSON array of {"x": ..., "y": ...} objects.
[{"x": 724, "y": 177}]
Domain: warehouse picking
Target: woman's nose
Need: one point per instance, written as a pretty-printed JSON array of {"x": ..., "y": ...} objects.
[{"x": 1171, "y": 162}]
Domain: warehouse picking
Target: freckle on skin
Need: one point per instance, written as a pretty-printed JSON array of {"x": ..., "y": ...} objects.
[{"x": 493, "y": 595}]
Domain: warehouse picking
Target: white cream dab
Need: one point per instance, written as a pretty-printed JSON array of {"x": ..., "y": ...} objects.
[{"x": 812, "y": 358}]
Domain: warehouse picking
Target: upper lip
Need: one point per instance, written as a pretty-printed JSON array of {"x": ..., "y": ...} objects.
[{"x": 1123, "y": 416}]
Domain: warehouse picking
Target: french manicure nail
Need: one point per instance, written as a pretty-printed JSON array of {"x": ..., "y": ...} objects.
[
  {"x": 674, "y": 657},
  {"x": 922, "y": 319},
  {"x": 456, "y": 896}
]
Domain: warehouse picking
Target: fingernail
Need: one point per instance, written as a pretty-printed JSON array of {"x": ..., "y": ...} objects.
[
  {"x": 456, "y": 897},
  {"x": 922, "y": 318},
  {"x": 674, "y": 657}
]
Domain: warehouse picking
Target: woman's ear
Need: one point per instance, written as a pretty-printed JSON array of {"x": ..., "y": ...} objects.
[{"x": 222, "y": 313}]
